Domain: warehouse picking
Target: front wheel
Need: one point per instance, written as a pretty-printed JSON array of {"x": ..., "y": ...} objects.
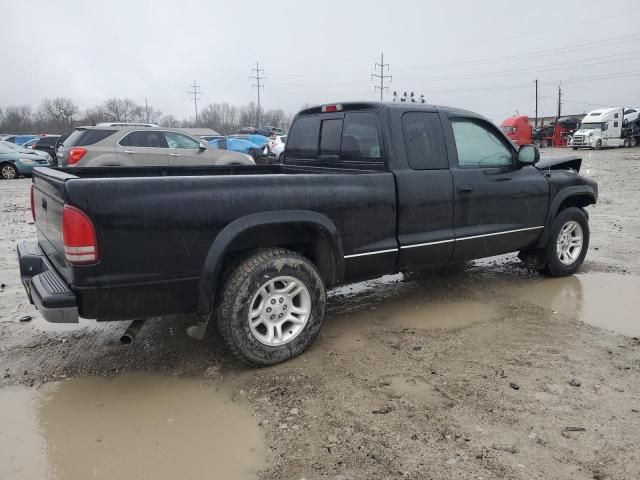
[
  {"x": 272, "y": 306},
  {"x": 599, "y": 145},
  {"x": 568, "y": 243},
  {"x": 8, "y": 171}
]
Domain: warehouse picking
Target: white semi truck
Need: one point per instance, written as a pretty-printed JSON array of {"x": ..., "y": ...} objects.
[{"x": 608, "y": 127}]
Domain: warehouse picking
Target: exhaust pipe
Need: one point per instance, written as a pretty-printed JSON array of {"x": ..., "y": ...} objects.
[{"x": 131, "y": 332}]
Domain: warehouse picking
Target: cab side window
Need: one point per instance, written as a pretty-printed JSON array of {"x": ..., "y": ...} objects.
[
  {"x": 478, "y": 145},
  {"x": 424, "y": 141}
]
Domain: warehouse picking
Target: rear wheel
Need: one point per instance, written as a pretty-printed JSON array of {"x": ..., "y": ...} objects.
[
  {"x": 545, "y": 144},
  {"x": 536, "y": 143},
  {"x": 272, "y": 306},
  {"x": 625, "y": 143},
  {"x": 568, "y": 243},
  {"x": 8, "y": 171},
  {"x": 633, "y": 142}
]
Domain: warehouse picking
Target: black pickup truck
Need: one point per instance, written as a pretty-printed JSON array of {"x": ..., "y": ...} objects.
[{"x": 366, "y": 189}]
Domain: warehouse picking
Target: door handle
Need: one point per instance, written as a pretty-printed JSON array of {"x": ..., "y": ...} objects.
[
  {"x": 465, "y": 189},
  {"x": 174, "y": 154},
  {"x": 130, "y": 151}
]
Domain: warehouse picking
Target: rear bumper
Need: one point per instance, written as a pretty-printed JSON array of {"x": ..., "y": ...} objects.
[{"x": 46, "y": 289}]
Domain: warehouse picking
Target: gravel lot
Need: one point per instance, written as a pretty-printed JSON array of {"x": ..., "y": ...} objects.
[{"x": 488, "y": 371}]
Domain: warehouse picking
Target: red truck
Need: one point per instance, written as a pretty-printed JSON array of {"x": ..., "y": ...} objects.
[{"x": 518, "y": 129}]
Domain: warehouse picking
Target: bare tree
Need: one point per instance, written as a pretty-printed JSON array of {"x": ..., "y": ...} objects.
[
  {"x": 60, "y": 113},
  {"x": 122, "y": 110},
  {"x": 169, "y": 121},
  {"x": 16, "y": 119}
]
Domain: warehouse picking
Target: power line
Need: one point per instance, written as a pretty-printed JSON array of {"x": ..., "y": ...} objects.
[
  {"x": 607, "y": 42},
  {"x": 195, "y": 95},
  {"x": 381, "y": 76},
  {"x": 258, "y": 77}
]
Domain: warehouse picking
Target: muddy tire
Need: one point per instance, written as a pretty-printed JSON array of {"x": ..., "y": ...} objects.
[
  {"x": 568, "y": 243},
  {"x": 8, "y": 171},
  {"x": 272, "y": 306},
  {"x": 599, "y": 145}
]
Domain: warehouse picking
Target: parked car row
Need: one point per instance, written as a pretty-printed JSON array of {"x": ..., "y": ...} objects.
[
  {"x": 16, "y": 161},
  {"x": 140, "y": 144}
]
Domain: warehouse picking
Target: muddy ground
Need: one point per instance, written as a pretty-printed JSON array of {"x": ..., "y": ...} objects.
[{"x": 488, "y": 371}]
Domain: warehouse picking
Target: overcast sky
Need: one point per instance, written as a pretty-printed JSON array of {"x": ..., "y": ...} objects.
[{"x": 479, "y": 55}]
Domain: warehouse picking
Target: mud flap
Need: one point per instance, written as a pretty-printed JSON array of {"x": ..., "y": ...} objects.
[{"x": 198, "y": 331}]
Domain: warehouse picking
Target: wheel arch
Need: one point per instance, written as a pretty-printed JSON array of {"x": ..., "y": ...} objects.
[
  {"x": 310, "y": 233},
  {"x": 579, "y": 197}
]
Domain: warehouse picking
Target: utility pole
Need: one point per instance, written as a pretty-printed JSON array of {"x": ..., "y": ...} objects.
[
  {"x": 559, "y": 101},
  {"x": 536, "y": 122},
  {"x": 146, "y": 109},
  {"x": 258, "y": 76},
  {"x": 381, "y": 76},
  {"x": 195, "y": 94}
]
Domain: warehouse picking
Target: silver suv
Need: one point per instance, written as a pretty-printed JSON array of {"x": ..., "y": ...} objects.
[{"x": 102, "y": 146}]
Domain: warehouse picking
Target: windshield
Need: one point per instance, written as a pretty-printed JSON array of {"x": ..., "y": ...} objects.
[{"x": 591, "y": 126}]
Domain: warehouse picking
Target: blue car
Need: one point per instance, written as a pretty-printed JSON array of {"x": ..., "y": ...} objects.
[
  {"x": 14, "y": 164},
  {"x": 19, "y": 139},
  {"x": 233, "y": 144}
]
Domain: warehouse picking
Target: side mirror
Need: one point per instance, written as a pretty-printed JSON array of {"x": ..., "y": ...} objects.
[
  {"x": 528, "y": 155},
  {"x": 203, "y": 147}
]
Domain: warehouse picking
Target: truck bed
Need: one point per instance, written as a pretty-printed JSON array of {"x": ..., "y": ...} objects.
[{"x": 155, "y": 226}]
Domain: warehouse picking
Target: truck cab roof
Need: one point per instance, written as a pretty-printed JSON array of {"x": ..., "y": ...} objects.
[{"x": 351, "y": 106}]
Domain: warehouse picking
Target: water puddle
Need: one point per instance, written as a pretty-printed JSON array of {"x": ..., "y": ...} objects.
[
  {"x": 606, "y": 300},
  {"x": 138, "y": 426},
  {"x": 348, "y": 331}
]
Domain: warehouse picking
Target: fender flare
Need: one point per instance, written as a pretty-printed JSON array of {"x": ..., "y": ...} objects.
[
  {"x": 560, "y": 198},
  {"x": 221, "y": 245}
]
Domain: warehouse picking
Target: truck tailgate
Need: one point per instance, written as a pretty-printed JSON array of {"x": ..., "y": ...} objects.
[{"x": 48, "y": 201}]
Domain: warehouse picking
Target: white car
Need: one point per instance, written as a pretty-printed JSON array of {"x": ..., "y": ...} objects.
[
  {"x": 276, "y": 145},
  {"x": 631, "y": 115}
]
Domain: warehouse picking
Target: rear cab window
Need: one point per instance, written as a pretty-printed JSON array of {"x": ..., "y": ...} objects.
[{"x": 347, "y": 138}]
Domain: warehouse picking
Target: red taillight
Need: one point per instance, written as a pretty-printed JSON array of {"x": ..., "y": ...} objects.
[
  {"x": 33, "y": 204},
  {"x": 75, "y": 154},
  {"x": 331, "y": 108},
  {"x": 79, "y": 235}
]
